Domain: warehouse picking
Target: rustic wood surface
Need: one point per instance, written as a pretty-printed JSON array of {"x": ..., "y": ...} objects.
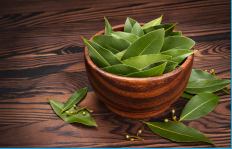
[{"x": 41, "y": 56}]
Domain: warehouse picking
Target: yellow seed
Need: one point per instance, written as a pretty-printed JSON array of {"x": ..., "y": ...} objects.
[
  {"x": 140, "y": 131},
  {"x": 90, "y": 111},
  {"x": 132, "y": 139},
  {"x": 173, "y": 111},
  {"x": 83, "y": 112},
  {"x": 74, "y": 106},
  {"x": 166, "y": 120},
  {"x": 67, "y": 111},
  {"x": 127, "y": 137},
  {"x": 71, "y": 112},
  {"x": 206, "y": 70}
]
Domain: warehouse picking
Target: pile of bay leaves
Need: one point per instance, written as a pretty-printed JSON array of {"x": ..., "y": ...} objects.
[{"x": 146, "y": 51}]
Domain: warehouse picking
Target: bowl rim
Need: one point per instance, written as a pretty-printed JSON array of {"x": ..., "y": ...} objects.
[{"x": 186, "y": 63}]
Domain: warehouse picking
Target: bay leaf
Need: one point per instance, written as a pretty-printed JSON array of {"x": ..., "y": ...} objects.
[
  {"x": 137, "y": 30},
  {"x": 120, "y": 69},
  {"x": 176, "y": 33},
  {"x": 153, "y": 22},
  {"x": 126, "y": 36},
  {"x": 111, "y": 43},
  {"x": 178, "y": 55},
  {"x": 177, "y": 42},
  {"x": 120, "y": 54},
  {"x": 205, "y": 86},
  {"x": 177, "y": 132},
  {"x": 167, "y": 27},
  {"x": 198, "y": 106},
  {"x": 143, "y": 61},
  {"x": 129, "y": 24},
  {"x": 169, "y": 66},
  {"x": 197, "y": 74},
  {"x": 150, "y": 43},
  {"x": 108, "y": 28},
  {"x": 155, "y": 71},
  {"x": 187, "y": 95},
  {"x": 74, "y": 99},
  {"x": 76, "y": 117},
  {"x": 101, "y": 56}
]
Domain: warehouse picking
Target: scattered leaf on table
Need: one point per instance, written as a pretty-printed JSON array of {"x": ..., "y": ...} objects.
[
  {"x": 177, "y": 132},
  {"x": 197, "y": 74},
  {"x": 120, "y": 69},
  {"x": 129, "y": 24},
  {"x": 206, "y": 86},
  {"x": 108, "y": 28},
  {"x": 198, "y": 106},
  {"x": 187, "y": 95},
  {"x": 150, "y": 43},
  {"x": 167, "y": 27},
  {"x": 143, "y": 61},
  {"x": 126, "y": 36},
  {"x": 74, "y": 99},
  {"x": 177, "y": 42},
  {"x": 76, "y": 117},
  {"x": 153, "y": 22},
  {"x": 156, "y": 71},
  {"x": 111, "y": 43},
  {"x": 178, "y": 55},
  {"x": 101, "y": 56},
  {"x": 176, "y": 33},
  {"x": 137, "y": 30}
]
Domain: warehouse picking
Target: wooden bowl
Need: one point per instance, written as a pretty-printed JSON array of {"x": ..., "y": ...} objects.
[{"x": 137, "y": 98}]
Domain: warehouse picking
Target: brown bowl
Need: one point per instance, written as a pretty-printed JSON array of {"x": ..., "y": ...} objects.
[{"x": 137, "y": 98}]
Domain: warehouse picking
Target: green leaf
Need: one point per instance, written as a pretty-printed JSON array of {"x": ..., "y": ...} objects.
[
  {"x": 197, "y": 74},
  {"x": 178, "y": 55},
  {"x": 112, "y": 43},
  {"x": 108, "y": 28},
  {"x": 176, "y": 33},
  {"x": 101, "y": 56},
  {"x": 142, "y": 61},
  {"x": 153, "y": 22},
  {"x": 177, "y": 132},
  {"x": 187, "y": 95},
  {"x": 120, "y": 54},
  {"x": 199, "y": 105},
  {"x": 167, "y": 27},
  {"x": 177, "y": 42},
  {"x": 126, "y": 36},
  {"x": 205, "y": 86},
  {"x": 169, "y": 66},
  {"x": 129, "y": 24},
  {"x": 150, "y": 43},
  {"x": 120, "y": 69},
  {"x": 74, "y": 99},
  {"x": 225, "y": 91},
  {"x": 137, "y": 30},
  {"x": 156, "y": 71},
  {"x": 76, "y": 117}
]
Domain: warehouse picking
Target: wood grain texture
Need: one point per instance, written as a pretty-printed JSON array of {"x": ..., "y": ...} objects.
[{"x": 41, "y": 56}]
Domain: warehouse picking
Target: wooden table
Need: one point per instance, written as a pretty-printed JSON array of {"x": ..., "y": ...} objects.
[{"x": 41, "y": 56}]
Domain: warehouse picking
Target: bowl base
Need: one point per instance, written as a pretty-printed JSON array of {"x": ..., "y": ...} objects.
[{"x": 136, "y": 115}]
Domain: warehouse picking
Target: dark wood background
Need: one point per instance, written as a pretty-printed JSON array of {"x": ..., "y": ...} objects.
[{"x": 41, "y": 56}]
